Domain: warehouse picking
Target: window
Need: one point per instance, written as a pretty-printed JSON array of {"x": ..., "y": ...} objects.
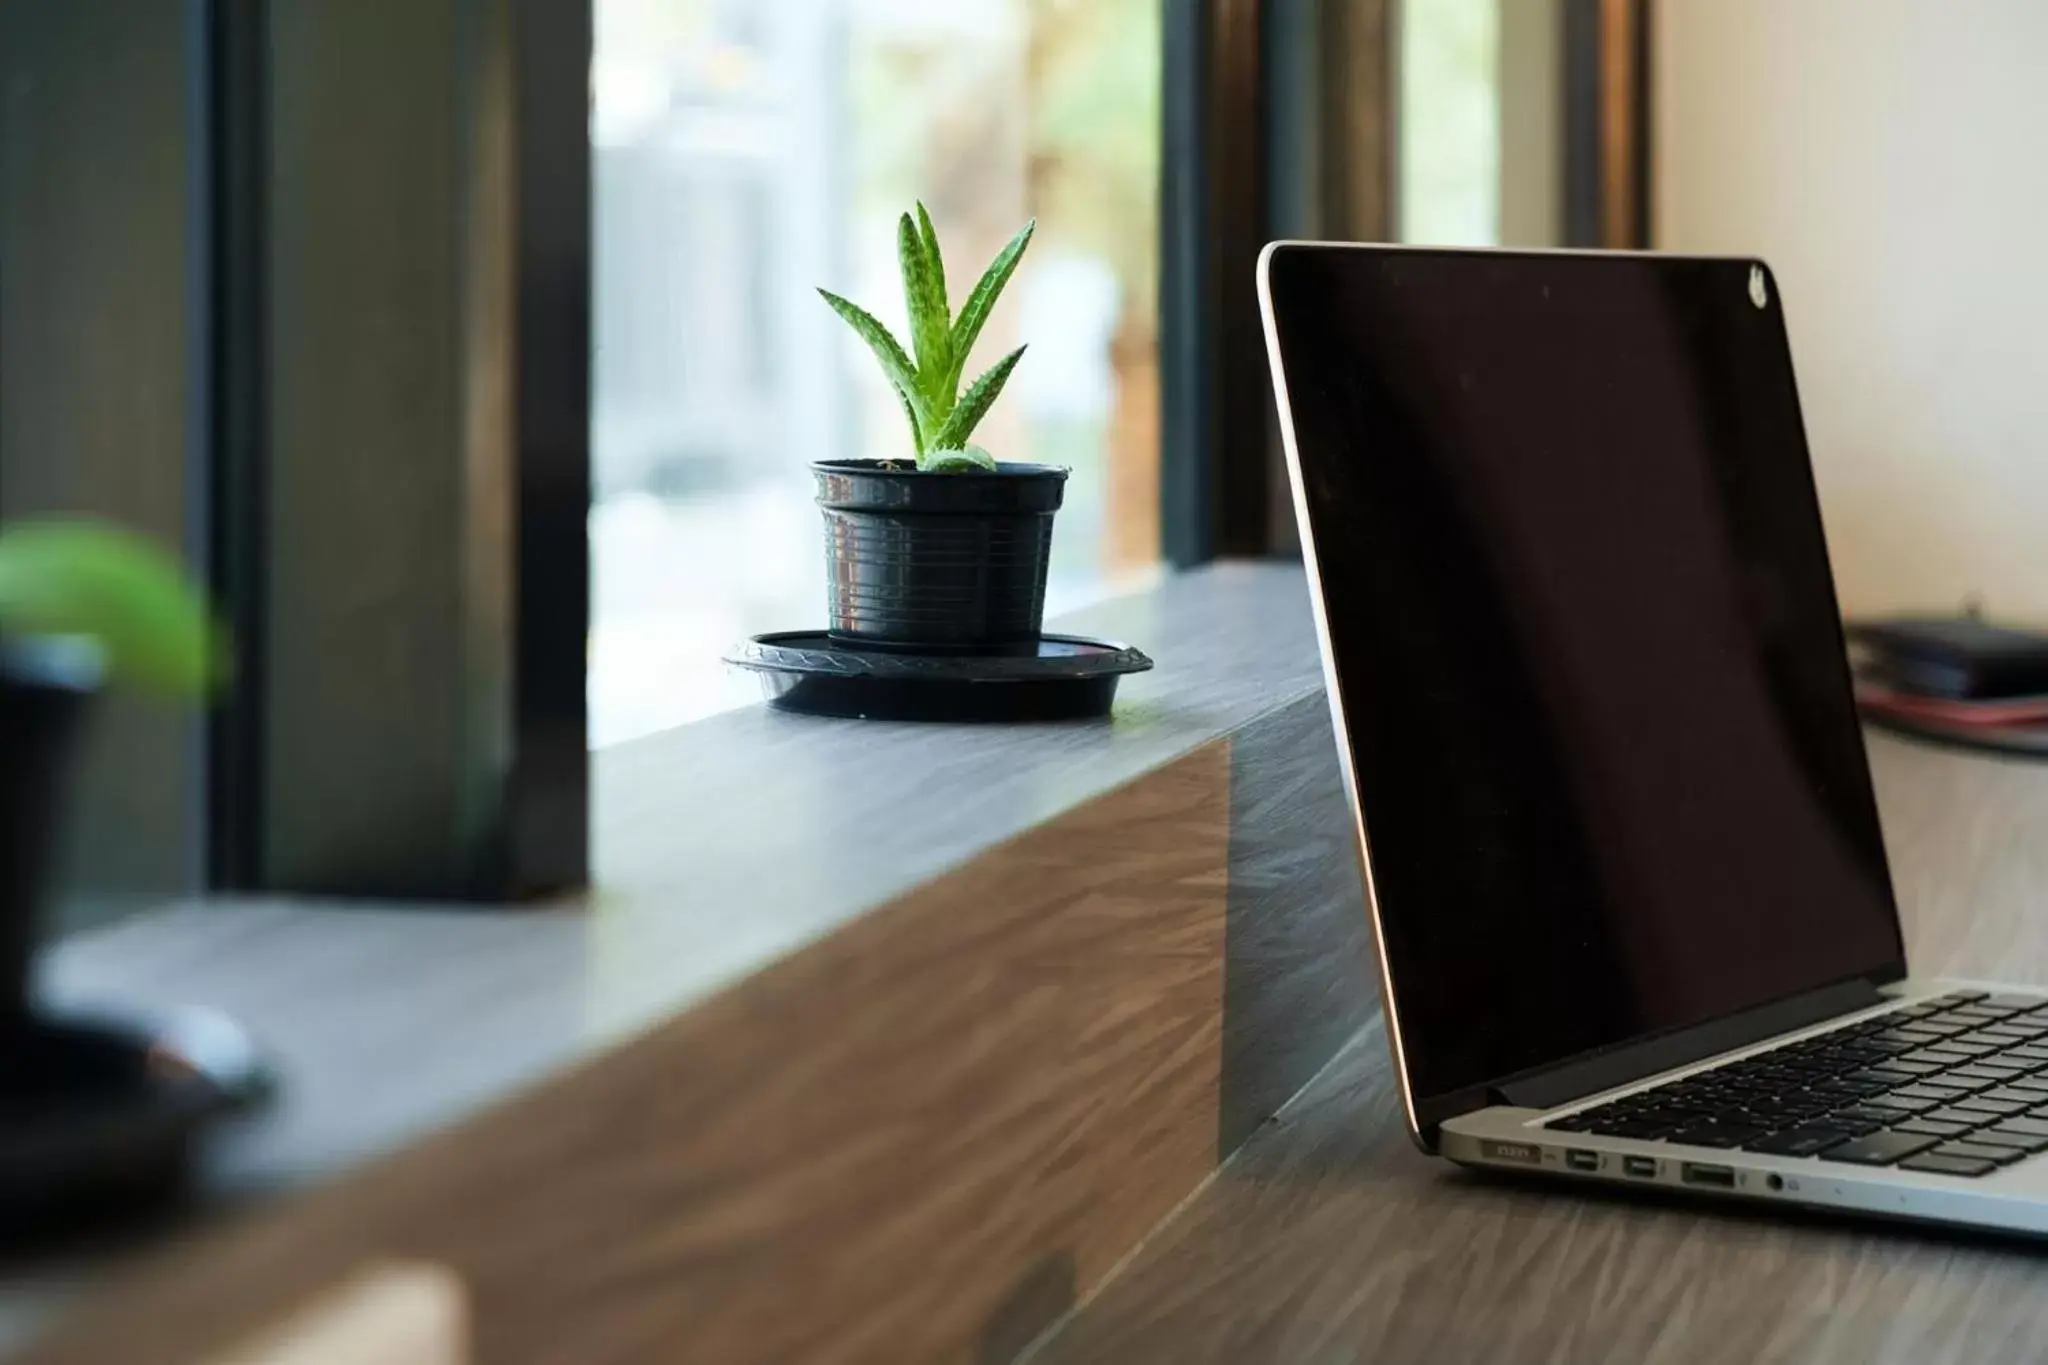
[
  {"x": 746, "y": 151},
  {"x": 1450, "y": 122}
]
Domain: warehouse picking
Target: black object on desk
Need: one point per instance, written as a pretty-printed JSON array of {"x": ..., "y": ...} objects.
[
  {"x": 103, "y": 1116},
  {"x": 1954, "y": 680},
  {"x": 1957, "y": 657},
  {"x": 99, "y": 1115}
]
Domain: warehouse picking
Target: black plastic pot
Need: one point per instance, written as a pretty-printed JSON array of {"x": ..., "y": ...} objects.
[
  {"x": 44, "y": 688},
  {"x": 99, "y": 1114},
  {"x": 937, "y": 563}
]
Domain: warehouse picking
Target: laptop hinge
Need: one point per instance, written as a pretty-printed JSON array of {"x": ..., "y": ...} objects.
[{"x": 1566, "y": 1081}]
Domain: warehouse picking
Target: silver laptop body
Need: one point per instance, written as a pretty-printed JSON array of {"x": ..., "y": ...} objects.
[{"x": 1554, "y": 507}]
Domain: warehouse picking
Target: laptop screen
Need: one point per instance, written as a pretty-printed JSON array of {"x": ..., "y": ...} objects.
[{"x": 1586, "y": 646}]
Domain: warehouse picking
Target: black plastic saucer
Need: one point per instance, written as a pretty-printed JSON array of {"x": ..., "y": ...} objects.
[
  {"x": 1069, "y": 677},
  {"x": 102, "y": 1115}
]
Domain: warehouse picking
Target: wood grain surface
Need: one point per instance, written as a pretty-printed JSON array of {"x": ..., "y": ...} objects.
[
  {"x": 384, "y": 1315},
  {"x": 922, "y": 1135},
  {"x": 919, "y": 1138},
  {"x": 719, "y": 847},
  {"x": 1329, "y": 1238}
]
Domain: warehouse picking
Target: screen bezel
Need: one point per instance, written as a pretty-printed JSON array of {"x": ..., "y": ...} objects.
[{"x": 1425, "y": 1112}]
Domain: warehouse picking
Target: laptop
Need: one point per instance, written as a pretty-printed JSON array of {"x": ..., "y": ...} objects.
[{"x": 1586, "y": 668}]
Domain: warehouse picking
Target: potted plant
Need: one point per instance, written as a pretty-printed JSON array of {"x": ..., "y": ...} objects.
[
  {"x": 95, "y": 1110},
  {"x": 79, "y": 604},
  {"x": 944, "y": 550}
]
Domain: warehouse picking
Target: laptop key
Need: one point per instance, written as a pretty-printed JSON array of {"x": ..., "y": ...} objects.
[
  {"x": 2002, "y": 1136},
  {"x": 1983, "y": 1104},
  {"x": 1974, "y": 1037},
  {"x": 1906, "y": 1103},
  {"x": 1935, "y": 1164},
  {"x": 2007, "y": 1094},
  {"x": 1969, "y": 1118},
  {"x": 1804, "y": 1141},
  {"x": 1879, "y": 1149},
  {"x": 1904, "y": 1039},
  {"x": 1719, "y": 1134},
  {"x": 1938, "y": 1086},
  {"x": 1979, "y": 1151},
  {"x": 2013, "y": 1002},
  {"x": 1973, "y": 1077},
  {"x": 1639, "y": 1128},
  {"x": 1906, "y": 1066},
  {"x": 2025, "y": 1124},
  {"x": 1887, "y": 1072},
  {"x": 1933, "y": 1127},
  {"x": 1837, "y": 1093}
]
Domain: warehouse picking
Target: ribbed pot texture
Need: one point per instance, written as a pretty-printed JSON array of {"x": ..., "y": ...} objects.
[{"x": 937, "y": 563}]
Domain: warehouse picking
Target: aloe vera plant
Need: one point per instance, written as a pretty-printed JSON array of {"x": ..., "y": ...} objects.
[{"x": 941, "y": 416}]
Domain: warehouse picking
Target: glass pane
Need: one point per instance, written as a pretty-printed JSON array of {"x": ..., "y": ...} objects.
[
  {"x": 1450, "y": 122},
  {"x": 747, "y": 151},
  {"x": 101, "y": 384}
]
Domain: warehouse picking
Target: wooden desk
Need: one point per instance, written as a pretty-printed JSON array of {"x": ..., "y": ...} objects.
[{"x": 1330, "y": 1238}]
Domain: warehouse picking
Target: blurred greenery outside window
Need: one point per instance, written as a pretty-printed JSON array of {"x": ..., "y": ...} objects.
[
  {"x": 748, "y": 150},
  {"x": 1450, "y": 122}
]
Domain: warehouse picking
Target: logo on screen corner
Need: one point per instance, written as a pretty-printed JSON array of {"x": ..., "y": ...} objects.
[{"x": 1759, "y": 287}]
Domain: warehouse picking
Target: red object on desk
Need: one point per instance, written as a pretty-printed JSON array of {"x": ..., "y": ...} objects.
[{"x": 1999, "y": 713}]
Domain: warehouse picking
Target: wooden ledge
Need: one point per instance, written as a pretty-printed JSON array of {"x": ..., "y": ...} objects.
[{"x": 880, "y": 1042}]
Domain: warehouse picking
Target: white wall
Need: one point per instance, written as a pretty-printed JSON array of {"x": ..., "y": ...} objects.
[{"x": 1890, "y": 158}]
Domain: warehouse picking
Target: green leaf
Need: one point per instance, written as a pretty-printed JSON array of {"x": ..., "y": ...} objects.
[
  {"x": 930, "y": 237},
  {"x": 970, "y": 460},
  {"x": 73, "y": 577},
  {"x": 930, "y": 328},
  {"x": 916, "y": 428},
  {"x": 974, "y": 404},
  {"x": 889, "y": 351},
  {"x": 974, "y": 313}
]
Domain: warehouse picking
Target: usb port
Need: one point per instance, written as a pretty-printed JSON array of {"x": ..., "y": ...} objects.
[
  {"x": 1580, "y": 1160},
  {"x": 1642, "y": 1167},
  {"x": 1699, "y": 1173}
]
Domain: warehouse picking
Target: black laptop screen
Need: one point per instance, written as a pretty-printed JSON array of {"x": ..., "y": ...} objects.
[{"x": 1586, "y": 643}]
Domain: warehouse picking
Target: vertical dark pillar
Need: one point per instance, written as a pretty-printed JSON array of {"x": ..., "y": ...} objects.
[{"x": 428, "y": 466}]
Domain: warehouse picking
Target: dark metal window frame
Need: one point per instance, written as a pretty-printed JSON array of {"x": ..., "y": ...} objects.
[
  {"x": 1279, "y": 119},
  {"x": 1607, "y": 161},
  {"x": 448, "y": 689},
  {"x": 1276, "y": 121}
]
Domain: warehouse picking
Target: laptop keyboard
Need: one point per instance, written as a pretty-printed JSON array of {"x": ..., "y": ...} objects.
[{"x": 1956, "y": 1085}]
